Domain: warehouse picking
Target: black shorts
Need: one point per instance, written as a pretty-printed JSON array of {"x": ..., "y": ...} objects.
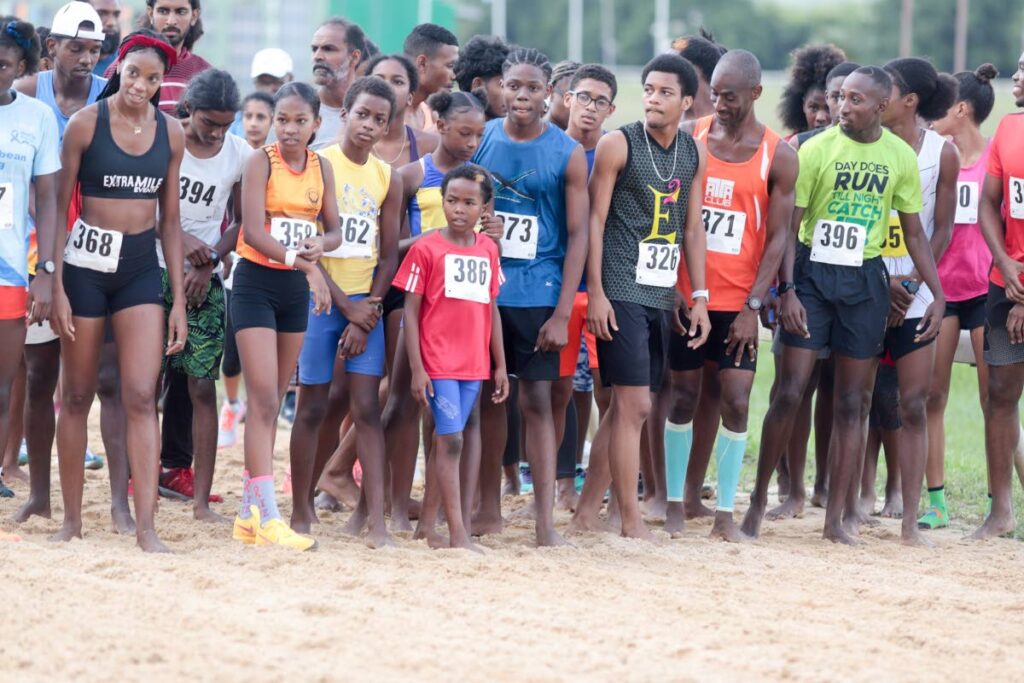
[
  {"x": 998, "y": 349},
  {"x": 637, "y": 354},
  {"x": 971, "y": 312},
  {"x": 846, "y": 307},
  {"x": 268, "y": 297},
  {"x": 885, "y": 401},
  {"x": 136, "y": 282},
  {"x": 899, "y": 341},
  {"x": 520, "y": 328},
  {"x": 394, "y": 300},
  {"x": 682, "y": 358}
]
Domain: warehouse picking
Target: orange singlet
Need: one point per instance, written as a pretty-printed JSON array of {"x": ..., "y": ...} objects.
[
  {"x": 294, "y": 199},
  {"x": 735, "y": 214}
]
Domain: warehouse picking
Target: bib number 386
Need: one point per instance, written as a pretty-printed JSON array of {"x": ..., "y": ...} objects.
[
  {"x": 93, "y": 248},
  {"x": 657, "y": 265},
  {"x": 467, "y": 278},
  {"x": 838, "y": 243}
]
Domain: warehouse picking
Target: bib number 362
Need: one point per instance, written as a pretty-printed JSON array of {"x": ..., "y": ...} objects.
[
  {"x": 520, "y": 237},
  {"x": 467, "y": 278},
  {"x": 657, "y": 265},
  {"x": 838, "y": 243},
  {"x": 358, "y": 237},
  {"x": 93, "y": 248}
]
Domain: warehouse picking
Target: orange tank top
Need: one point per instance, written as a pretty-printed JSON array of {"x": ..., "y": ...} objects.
[
  {"x": 290, "y": 194},
  {"x": 735, "y": 214}
]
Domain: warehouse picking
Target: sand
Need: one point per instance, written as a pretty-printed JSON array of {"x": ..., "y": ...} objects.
[{"x": 790, "y": 606}]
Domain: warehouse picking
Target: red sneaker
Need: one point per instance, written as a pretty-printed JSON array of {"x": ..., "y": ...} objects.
[{"x": 179, "y": 483}]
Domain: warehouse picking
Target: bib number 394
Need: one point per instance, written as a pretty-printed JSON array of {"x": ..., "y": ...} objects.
[
  {"x": 93, "y": 248},
  {"x": 467, "y": 278},
  {"x": 291, "y": 231},
  {"x": 358, "y": 236},
  {"x": 657, "y": 265},
  {"x": 838, "y": 243},
  {"x": 520, "y": 236}
]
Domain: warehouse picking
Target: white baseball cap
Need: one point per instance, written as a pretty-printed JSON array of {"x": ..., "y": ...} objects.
[
  {"x": 72, "y": 15},
  {"x": 272, "y": 61}
]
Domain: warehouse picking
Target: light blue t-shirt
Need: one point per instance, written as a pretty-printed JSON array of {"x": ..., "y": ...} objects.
[
  {"x": 45, "y": 94},
  {"x": 28, "y": 149}
]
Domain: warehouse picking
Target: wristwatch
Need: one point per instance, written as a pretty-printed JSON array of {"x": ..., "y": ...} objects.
[
  {"x": 48, "y": 267},
  {"x": 214, "y": 258},
  {"x": 911, "y": 286},
  {"x": 785, "y": 287},
  {"x": 380, "y": 308},
  {"x": 753, "y": 303}
]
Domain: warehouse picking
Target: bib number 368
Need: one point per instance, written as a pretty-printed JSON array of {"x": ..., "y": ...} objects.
[
  {"x": 657, "y": 265},
  {"x": 838, "y": 243},
  {"x": 93, "y": 248}
]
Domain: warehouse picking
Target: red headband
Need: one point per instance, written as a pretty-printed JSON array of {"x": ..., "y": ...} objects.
[{"x": 146, "y": 41}]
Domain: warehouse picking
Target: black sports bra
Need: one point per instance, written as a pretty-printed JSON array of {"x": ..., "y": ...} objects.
[{"x": 107, "y": 171}]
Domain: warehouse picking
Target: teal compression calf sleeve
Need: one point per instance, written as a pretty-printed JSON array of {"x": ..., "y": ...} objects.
[
  {"x": 729, "y": 456},
  {"x": 678, "y": 441}
]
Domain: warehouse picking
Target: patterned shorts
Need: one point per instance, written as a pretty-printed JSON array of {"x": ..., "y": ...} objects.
[
  {"x": 205, "y": 344},
  {"x": 583, "y": 379}
]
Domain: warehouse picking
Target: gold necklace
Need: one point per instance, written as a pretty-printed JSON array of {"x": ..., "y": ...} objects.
[
  {"x": 137, "y": 130},
  {"x": 405, "y": 141}
]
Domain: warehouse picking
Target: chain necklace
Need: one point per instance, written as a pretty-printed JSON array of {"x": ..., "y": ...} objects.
[
  {"x": 137, "y": 130},
  {"x": 650, "y": 153},
  {"x": 405, "y": 141}
]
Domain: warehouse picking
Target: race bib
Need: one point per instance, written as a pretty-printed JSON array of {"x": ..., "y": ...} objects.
[
  {"x": 838, "y": 243},
  {"x": 967, "y": 196},
  {"x": 6, "y": 206},
  {"x": 358, "y": 235},
  {"x": 467, "y": 278},
  {"x": 198, "y": 201},
  {"x": 724, "y": 229},
  {"x": 520, "y": 237},
  {"x": 1016, "y": 198},
  {"x": 93, "y": 248},
  {"x": 895, "y": 245},
  {"x": 657, "y": 265},
  {"x": 291, "y": 231}
]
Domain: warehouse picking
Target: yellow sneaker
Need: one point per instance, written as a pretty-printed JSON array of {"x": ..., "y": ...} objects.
[
  {"x": 244, "y": 530},
  {"x": 276, "y": 532}
]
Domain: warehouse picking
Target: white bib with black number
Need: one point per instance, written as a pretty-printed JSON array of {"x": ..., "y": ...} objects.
[
  {"x": 724, "y": 229},
  {"x": 967, "y": 196},
  {"x": 467, "y": 278},
  {"x": 358, "y": 235},
  {"x": 199, "y": 200},
  {"x": 6, "y": 206},
  {"x": 291, "y": 231},
  {"x": 657, "y": 265},
  {"x": 520, "y": 237},
  {"x": 93, "y": 248},
  {"x": 1016, "y": 199},
  {"x": 838, "y": 243}
]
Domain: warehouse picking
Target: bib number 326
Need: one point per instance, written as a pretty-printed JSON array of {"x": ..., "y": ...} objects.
[
  {"x": 838, "y": 243},
  {"x": 520, "y": 236},
  {"x": 93, "y": 248},
  {"x": 467, "y": 278},
  {"x": 657, "y": 265}
]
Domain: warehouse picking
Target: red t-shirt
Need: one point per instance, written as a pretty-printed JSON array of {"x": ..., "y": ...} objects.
[
  {"x": 176, "y": 80},
  {"x": 458, "y": 285},
  {"x": 1006, "y": 162}
]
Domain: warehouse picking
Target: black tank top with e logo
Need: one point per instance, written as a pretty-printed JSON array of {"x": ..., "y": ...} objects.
[{"x": 107, "y": 171}]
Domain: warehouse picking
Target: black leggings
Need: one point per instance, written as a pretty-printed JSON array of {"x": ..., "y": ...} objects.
[{"x": 231, "y": 365}]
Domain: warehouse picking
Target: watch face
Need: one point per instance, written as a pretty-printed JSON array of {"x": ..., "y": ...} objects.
[{"x": 754, "y": 303}]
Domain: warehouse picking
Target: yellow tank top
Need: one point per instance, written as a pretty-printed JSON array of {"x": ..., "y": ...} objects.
[{"x": 361, "y": 190}]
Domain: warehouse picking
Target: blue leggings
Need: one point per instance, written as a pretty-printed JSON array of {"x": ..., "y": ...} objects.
[{"x": 452, "y": 404}]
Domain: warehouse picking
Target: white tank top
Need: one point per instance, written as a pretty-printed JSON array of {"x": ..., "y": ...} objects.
[{"x": 894, "y": 252}]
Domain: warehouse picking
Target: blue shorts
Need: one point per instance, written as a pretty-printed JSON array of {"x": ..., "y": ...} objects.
[
  {"x": 320, "y": 348},
  {"x": 453, "y": 403}
]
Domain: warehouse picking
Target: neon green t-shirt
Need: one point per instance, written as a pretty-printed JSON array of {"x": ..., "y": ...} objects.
[{"x": 848, "y": 188}]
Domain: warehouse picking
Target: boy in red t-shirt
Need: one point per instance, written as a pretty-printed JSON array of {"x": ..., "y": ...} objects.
[{"x": 451, "y": 278}]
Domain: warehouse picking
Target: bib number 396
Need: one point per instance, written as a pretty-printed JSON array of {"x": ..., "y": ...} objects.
[
  {"x": 467, "y": 278},
  {"x": 657, "y": 265},
  {"x": 838, "y": 243},
  {"x": 93, "y": 248},
  {"x": 291, "y": 231},
  {"x": 520, "y": 236}
]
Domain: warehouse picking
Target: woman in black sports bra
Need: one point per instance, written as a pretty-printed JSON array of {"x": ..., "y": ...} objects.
[{"x": 125, "y": 155}]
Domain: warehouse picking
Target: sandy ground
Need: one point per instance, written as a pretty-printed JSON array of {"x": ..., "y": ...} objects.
[{"x": 789, "y": 606}]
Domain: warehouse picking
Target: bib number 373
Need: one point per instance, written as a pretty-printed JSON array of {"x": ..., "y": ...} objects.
[
  {"x": 657, "y": 265},
  {"x": 519, "y": 239},
  {"x": 93, "y": 248},
  {"x": 467, "y": 278},
  {"x": 838, "y": 243}
]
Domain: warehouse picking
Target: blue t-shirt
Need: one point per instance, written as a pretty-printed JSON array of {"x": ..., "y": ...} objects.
[
  {"x": 45, "y": 94},
  {"x": 28, "y": 149},
  {"x": 529, "y": 179}
]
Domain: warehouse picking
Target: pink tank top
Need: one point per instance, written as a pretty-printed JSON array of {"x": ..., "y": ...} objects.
[{"x": 964, "y": 267}]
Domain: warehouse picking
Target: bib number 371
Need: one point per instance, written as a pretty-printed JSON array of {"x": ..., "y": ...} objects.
[
  {"x": 657, "y": 265},
  {"x": 93, "y": 248},
  {"x": 838, "y": 243}
]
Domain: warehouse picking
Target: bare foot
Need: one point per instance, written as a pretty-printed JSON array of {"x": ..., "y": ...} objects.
[
  {"x": 32, "y": 507},
  {"x": 347, "y": 492},
  {"x": 784, "y": 486},
  {"x": 121, "y": 519},
  {"x": 675, "y": 519},
  {"x": 400, "y": 524},
  {"x": 725, "y": 528},
  {"x": 893, "y": 508},
  {"x": 653, "y": 509},
  {"x": 527, "y": 512},
  {"x": 566, "y": 497},
  {"x": 355, "y": 524},
  {"x": 380, "y": 538},
  {"x": 913, "y": 537},
  {"x": 838, "y": 535},
  {"x": 994, "y": 527},
  {"x": 413, "y": 508},
  {"x": 16, "y": 474},
  {"x": 205, "y": 514},
  {"x": 511, "y": 487},
  {"x": 300, "y": 525},
  {"x": 466, "y": 543},
  {"x": 325, "y": 501},
  {"x": 580, "y": 525},
  {"x": 483, "y": 526},
  {"x": 550, "y": 538},
  {"x": 640, "y": 532},
  {"x": 67, "y": 531},
  {"x": 819, "y": 499},
  {"x": 867, "y": 504},
  {"x": 752, "y": 520},
  {"x": 792, "y": 508},
  {"x": 696, "y": 510},
  {"x": 149, "y": 543},
  {"x": 436, "y": 540}
]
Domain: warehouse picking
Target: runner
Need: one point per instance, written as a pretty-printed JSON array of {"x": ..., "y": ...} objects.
[
  {"x": 540, "y": 176},
  {"x": 29, "y": 142},
  {"x": 452, "y": 277},
  {"x": 125, "y": 155},
  {"x": 639, "y": 223},
  {"x": 435, "y": 51},
  {"x": 963, "y": 271},
  {"x": 402, "y": 144},
  {"x": 479, "y": 66},
  {"x": 359, "y": 274},
  {"x": 833, "y": 87},
  {"x": 561, "y": 76},
  {"x": 850, "y": 177},
  {"x": 285, "y": 189},
  {"x": 747, "y": 208},
  {"x": 338, "y": 46},
  {"x": 110, "y": 16},
  {"x": 703, "y": 52},
  {"x": 1004, "y": 309},
  {"x": 211, "y": 177},
  {"x": 803, "y": 105}
]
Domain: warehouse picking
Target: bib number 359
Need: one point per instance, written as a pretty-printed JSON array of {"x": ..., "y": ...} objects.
[
  {"x": 93, "y": 248},
  {"x": 291, "y": 231},
  {"x": 838, "y": 243},
  {"x": 657, "y": 265}
]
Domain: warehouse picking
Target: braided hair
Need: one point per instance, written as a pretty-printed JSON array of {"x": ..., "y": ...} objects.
[{"x": 530, "y": 56}]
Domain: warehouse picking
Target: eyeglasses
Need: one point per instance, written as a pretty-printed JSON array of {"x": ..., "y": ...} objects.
[{"x": 600, "y": 103}]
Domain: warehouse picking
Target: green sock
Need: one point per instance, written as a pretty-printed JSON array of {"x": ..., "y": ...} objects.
[{"x": 937, "y": 497}]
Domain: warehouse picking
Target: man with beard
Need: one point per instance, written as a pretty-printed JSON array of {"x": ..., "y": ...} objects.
[
  {"x": 110, "y": 15},
  {"x": 179, "y": 22},
  {"x": 337, "y": 46}
]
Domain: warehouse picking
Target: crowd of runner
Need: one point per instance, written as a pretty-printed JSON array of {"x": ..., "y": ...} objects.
[{"x": 449, "y": 244}]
